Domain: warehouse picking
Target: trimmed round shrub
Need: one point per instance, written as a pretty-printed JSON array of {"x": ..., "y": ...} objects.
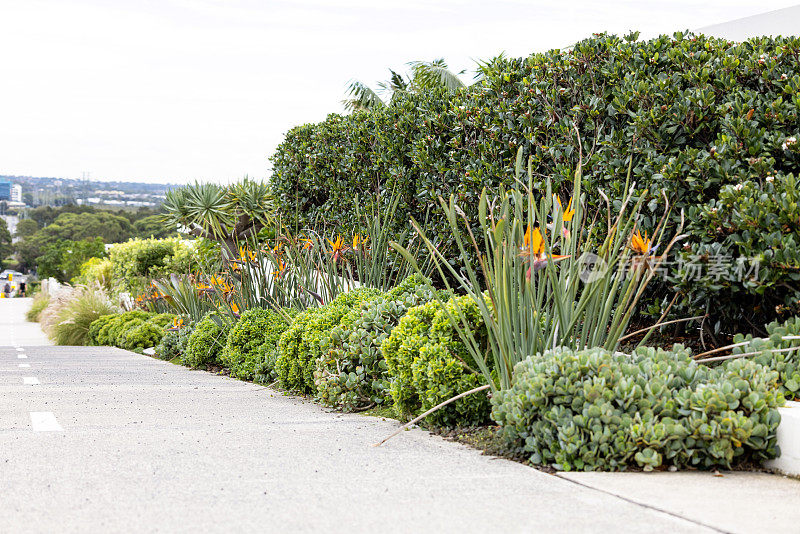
[
  {"x": 428, "y": 364},
  {"x": 206, "y": 342},
  {"x": 300, "y": 346},
  {"x": 95, "y": 328},
  {"x": 141, "y": 336},
  {"x": 351, "y": 372},
  {"x": 594, "y": 409},
  {"x": 255, "y": 333},
  {"x": 109, "y": 333}
]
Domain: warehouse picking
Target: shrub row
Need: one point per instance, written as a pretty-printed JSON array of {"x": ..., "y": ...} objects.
[
  {"x": 700, "y": 114},
  {"x": 586, "y": 410}
]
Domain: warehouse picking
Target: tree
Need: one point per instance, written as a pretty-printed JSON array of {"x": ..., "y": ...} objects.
[
  {"x": 423, "y": 76},
  {"x": 63, "y": 259},
  {"x": 153, "y": 226},
  {"x": 26, "y": 227},
  {"x": 226, "y": 215},
  {"x": 5, "y": 240}
]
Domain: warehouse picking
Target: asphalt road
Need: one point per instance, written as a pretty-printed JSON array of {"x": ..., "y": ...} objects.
[{"x": 104, "y": 440}]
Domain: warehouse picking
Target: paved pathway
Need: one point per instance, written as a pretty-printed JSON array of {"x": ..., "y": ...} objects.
[{"x": 104, "y": 440}]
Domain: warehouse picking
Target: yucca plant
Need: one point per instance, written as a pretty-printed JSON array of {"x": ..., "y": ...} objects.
[{"x": 546, "y": 276}]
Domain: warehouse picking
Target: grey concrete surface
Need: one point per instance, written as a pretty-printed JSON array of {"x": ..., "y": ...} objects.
[
  {"x": 14, "y": 329},
  {"x": 739, "y": 502},
  {"x": 148, "y": 446}
]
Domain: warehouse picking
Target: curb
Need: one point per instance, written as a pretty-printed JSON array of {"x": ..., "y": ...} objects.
[{"x": 789, "y": 441}]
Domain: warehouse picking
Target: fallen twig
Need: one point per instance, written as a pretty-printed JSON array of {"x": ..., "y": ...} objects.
[{"x": 445, "y": 403}]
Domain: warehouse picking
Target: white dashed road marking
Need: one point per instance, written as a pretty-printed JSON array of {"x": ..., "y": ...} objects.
[
  {"x": 24, "y": 365},
  {"x": 30, "y": 380},
  {"x": 21, "y": 356},
  {"x": 45, "y": 422},
  {"x": 20, "y": 349}
]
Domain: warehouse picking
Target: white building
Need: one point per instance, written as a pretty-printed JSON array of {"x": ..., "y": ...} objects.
[
  {"x": 16, "y": 193},
  {"x": 784, "y": 22}
]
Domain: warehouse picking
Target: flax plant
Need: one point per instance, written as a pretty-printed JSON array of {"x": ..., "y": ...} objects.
[{"x": 546, "y": 275}]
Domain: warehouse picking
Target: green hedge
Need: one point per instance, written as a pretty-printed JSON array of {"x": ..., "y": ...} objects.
[
  {"x": 428, "y": 364},
  {"x": 594, "y": 409},
  {"x": 206, "y": 342},
  {"x": 699, "y": 114}
]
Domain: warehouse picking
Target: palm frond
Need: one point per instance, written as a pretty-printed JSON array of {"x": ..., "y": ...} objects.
[
  {"x": 428, "y": 75},
  {"x": 360, "y": 97}
]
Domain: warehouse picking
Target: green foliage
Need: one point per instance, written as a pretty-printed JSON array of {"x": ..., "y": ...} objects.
[
  {"x": 594, "y": 409},
  {"x": 745, "y": 250},
  {"x": 40, "y": 302},
  {"x": 95, "y": 271},
  {"x": 775, "y": 352},
  {"x": 300, "y": 345},
  {"x": 429, "y": 364},
  {"x": 131, "y": 330},
  {"x": 699, "y": 114},
  {"x": 173, "y": 344},
  {"x": 141, "y": 336},
  {"x": 351, "y": 372},
  {"x": 138, "y": 261},
  {"x": 62, "y": 259},
  {"x": 250, "y": 341},
  {"x": 5, "y": 240},
  {"x": 206, "y": 342},
  {"x": 74, "y": 318}
]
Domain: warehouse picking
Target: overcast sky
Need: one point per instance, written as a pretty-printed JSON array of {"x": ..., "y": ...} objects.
[{"x": 178, "y": 90}]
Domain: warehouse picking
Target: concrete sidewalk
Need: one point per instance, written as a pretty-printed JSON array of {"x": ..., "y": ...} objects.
[
  {"x": 95, "y": 439},
  {"x": 14, "y": 329},
  {"x": 148, "y": 446}
]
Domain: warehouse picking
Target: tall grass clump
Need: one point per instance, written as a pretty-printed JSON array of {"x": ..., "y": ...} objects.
[
  {"x": 67, "y": 319},
  {"x": 40, "y": 302}
]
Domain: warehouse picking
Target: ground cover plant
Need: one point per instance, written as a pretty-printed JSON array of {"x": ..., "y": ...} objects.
[
  {"x": 351, "y": 372},
  {"x": 300, "y": 346},
  {"x": 428, "y": 363},
  {"x": 133, "y": 330},
  {"x": 206, "y": 342},
  {"x": 595, "y": 409}
]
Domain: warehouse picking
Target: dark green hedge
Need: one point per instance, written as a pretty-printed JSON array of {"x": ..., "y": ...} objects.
[{"x": 696, "y": 114}]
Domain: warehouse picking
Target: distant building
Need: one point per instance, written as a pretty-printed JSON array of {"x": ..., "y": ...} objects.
[
  {"x": 16, "y": 193},
  {"x": 5, "y": 190}
]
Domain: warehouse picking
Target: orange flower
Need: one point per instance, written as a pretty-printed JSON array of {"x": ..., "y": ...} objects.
[
  {"x": 338, "y": 248},
  {"x": 640, "y": 245},
  {"x": 568, "y": 213},
  {"x": 177, "y": 322},
  {"x": 234, "y": 308},
  {"x": 534, "y": 246},
  {"x": 358, "y": 240},
  {"x": 281, "y": 269}
]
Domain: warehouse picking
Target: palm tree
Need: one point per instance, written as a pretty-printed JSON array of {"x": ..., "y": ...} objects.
[
  {"x": 225, "y": 214},
  {"x": 423, "y": 76}
]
